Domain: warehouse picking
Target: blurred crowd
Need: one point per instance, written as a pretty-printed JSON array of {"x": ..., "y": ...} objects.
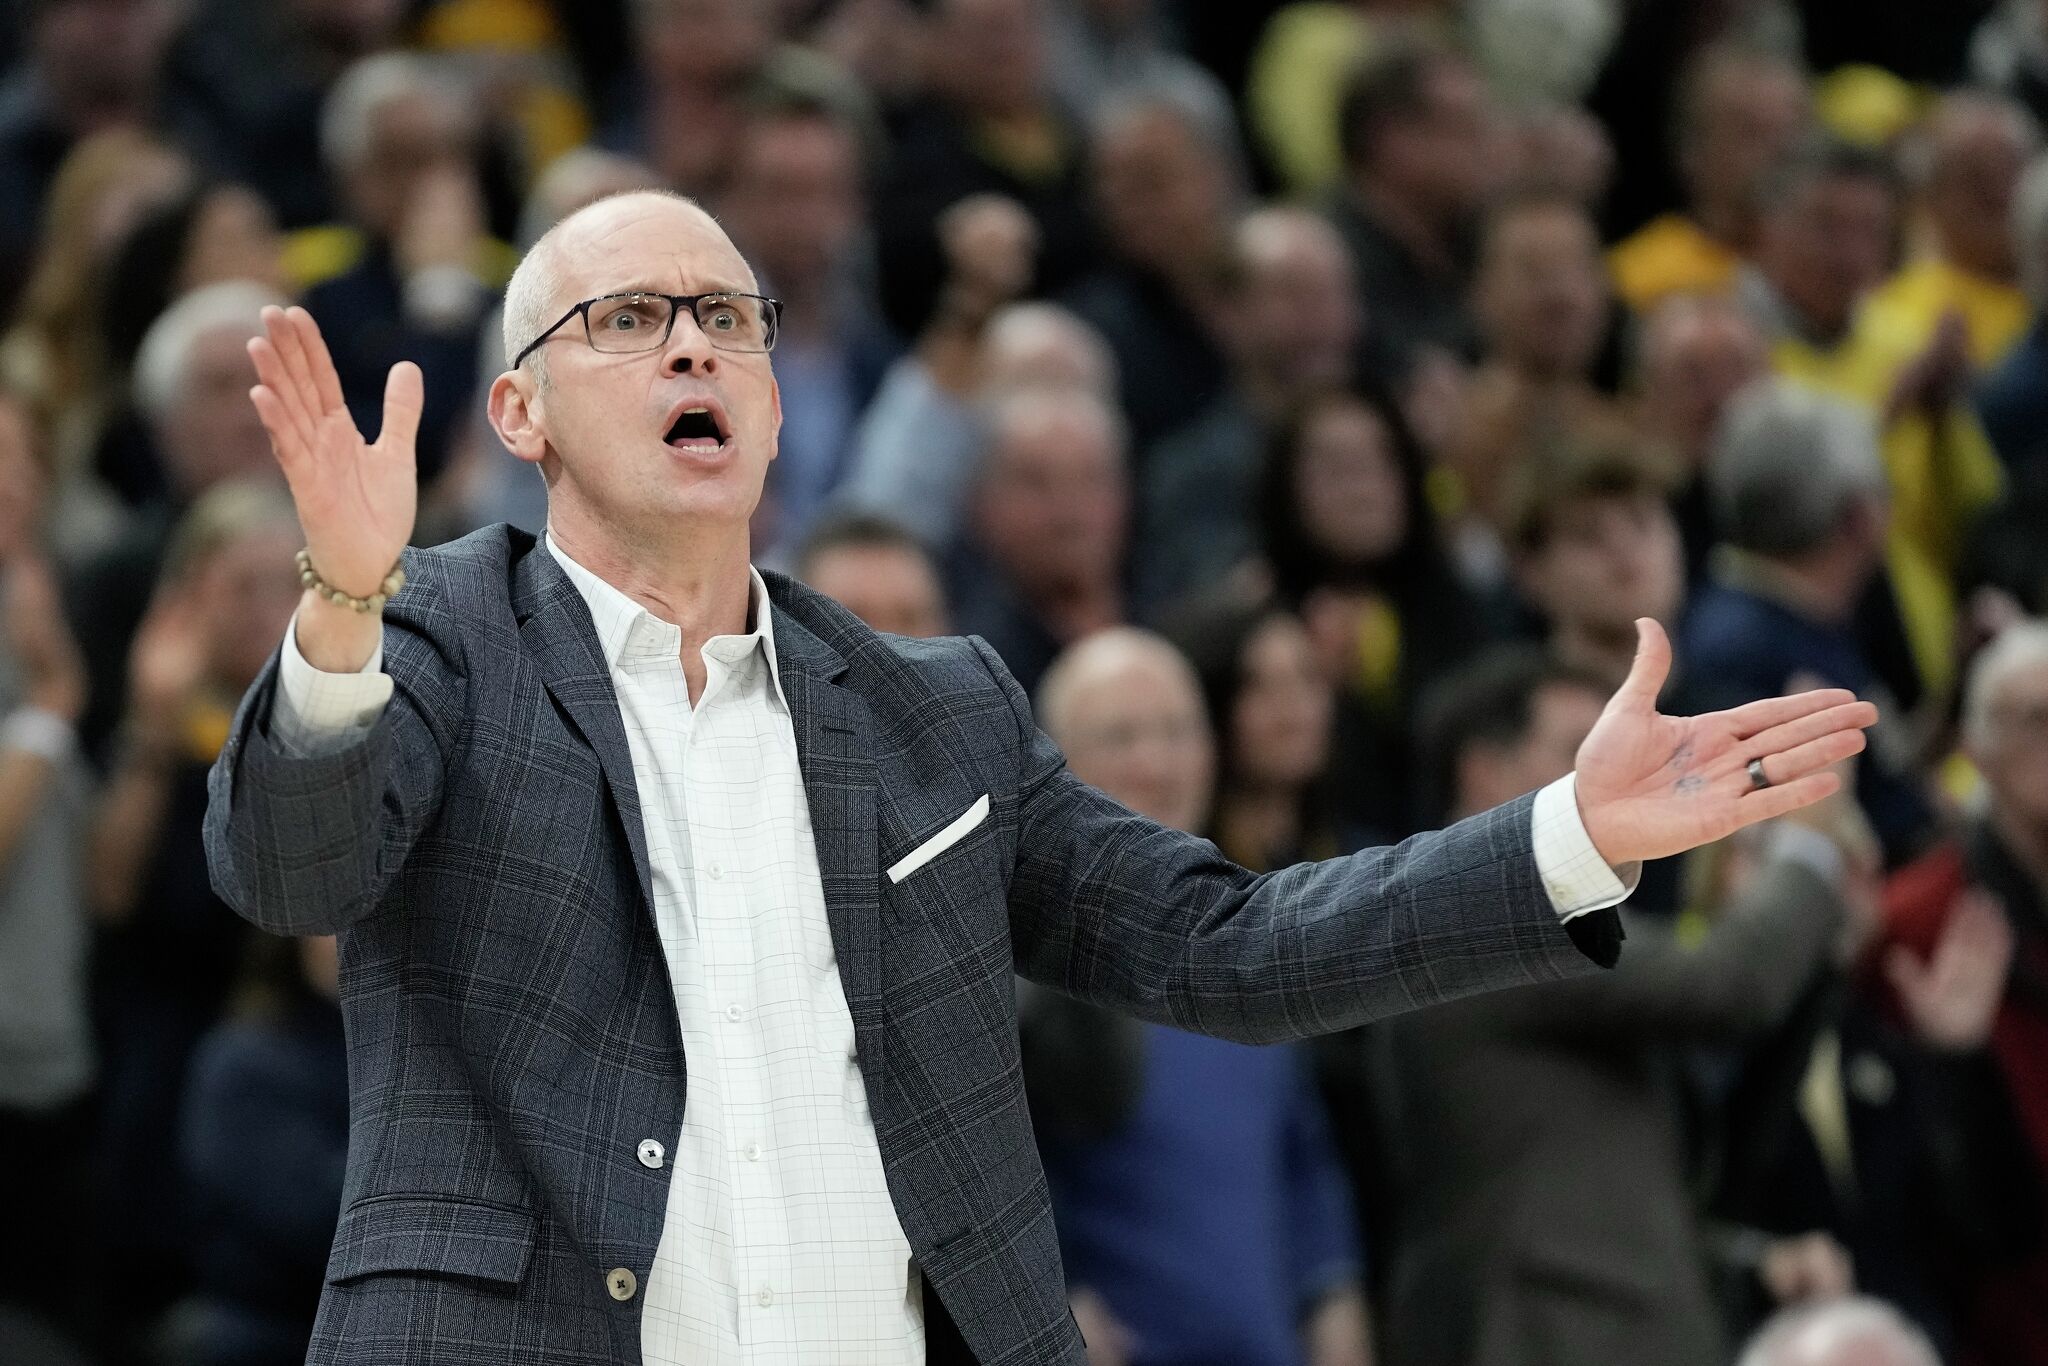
[{"x": 1305, "y": 398}]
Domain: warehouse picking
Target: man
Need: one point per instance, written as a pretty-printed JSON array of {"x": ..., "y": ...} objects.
[
  {"x": 2002, "y": 852},
  {"x": 1738, "y": 112},
  {"x": 1829, "y": 221},
  {"x": 1414, "y": 125},
  {"x": 1134, "y": 1120},
  {"x": 610, "y": 821},
  {"x": 1799, "y": 492},
  {"x": 795, "y": 206},
  {"x": 1046, "y": 548},
  {"x": 191, "y": 389},
  {"x": 877, "y": 571},
  {"x": 1292, "y": 334},
  {"x": 1533, "y": 1152}
]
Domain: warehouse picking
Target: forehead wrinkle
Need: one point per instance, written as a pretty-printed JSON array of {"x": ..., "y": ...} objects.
[{"x": 605, "y": 240}]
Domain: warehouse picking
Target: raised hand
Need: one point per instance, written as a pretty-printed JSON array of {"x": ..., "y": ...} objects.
[
  {"x": 1650, "y": 785},
  {"x": 356, "y": 499},
  {"x": 52, "y": 669},
  {"x": 1951, "y": 997}
]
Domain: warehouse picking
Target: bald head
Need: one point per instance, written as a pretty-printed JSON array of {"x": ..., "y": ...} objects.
[
  {"x": 1127, "y": 710},
  {"x": 537, "y": 293},
  {"x": 1858, "y": 1331}
]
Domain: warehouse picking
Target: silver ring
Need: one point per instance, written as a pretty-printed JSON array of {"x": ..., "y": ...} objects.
[{"x": 1757, "y": 779}]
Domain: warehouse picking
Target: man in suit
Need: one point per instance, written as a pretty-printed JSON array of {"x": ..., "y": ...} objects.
[
  {"x": 608, "y": 822},
  {"x": 1531, "y": 1144}
]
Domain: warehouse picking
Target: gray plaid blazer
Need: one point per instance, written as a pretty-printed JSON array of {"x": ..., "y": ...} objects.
[{"x": 511, "y": 1032}]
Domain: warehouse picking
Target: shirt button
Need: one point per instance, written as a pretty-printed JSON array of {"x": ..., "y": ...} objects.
[
  {"x": 716, "y": 870},
  {"x": 764, "y": 1299},
  {"x": 753, "y": 1151},
  {"x": 732, "y": 1012},
  {"x": 621, "y": 1282},
  {"x": 650, "y": 1153}
]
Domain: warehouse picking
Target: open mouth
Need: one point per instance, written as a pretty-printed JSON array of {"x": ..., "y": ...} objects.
[{"x": 698, "y": 427}]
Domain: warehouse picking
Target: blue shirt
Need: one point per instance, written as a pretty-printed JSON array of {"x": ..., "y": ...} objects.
[{"x": 1219, "y": 1214}]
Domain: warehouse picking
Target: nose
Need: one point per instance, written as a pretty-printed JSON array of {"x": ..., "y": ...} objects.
[{"x": 689, "y": 351}]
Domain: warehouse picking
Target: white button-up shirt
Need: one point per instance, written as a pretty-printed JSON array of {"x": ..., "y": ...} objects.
[{"x": 780, "y": 1242}]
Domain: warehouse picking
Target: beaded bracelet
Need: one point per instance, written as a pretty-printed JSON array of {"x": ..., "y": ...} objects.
[{"x": 310, "y": 577}]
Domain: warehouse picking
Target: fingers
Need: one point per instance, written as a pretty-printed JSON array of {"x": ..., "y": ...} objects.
[
  {"x": 1814, "y": 755},
  {"x": 1848, "y": 716},
  {"x": 326, "y": 379},
  {"x": 404, "y": 395},
  {"x": 1651, "y": 667},
  {"x": 285, "y": 441},
  {"x": 297, "y": 424},
  {"x": 307, "y": 365},
  {"x": 1776, "y": 800},
  {"x": 1755, "y": 717}
]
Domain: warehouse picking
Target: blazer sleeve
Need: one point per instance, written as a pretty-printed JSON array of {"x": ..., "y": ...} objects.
[
  {"x": 308, "y": 845},
  {"x": 1119, "y": 910}
]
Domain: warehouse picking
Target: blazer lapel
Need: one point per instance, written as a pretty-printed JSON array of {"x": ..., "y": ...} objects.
[
  {"x": 835, "y": 750},
  {"x": 555, "y": 628}
]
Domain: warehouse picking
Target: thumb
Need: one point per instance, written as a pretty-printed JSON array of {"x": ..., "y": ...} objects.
[
  {"x": 1651, "y": 667},
  {"x": 404, "y": 394}
]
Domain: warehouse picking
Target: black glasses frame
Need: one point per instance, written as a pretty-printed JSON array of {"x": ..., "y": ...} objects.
[{"x": 771, "y": 309}]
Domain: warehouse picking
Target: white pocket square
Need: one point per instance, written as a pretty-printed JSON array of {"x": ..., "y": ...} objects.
[{"x": 941, "y": 842}]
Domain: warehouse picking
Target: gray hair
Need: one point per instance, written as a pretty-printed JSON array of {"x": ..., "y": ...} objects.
[
  {"x": 1025, "y": 406},
  {"x": 166, "y": 351},
  {"x": 349, "y": 115},
  {"x": 1823, "y": 1334},
  {"x": 1114, "y": 648},
  {"x": 2030, "y": 230},
  {"x": 1788, "y": 464},
  {"x": 1022, "y": 336},
  {"x": 2019, "y": 649},
  {"x": 1195, "y": 106}
]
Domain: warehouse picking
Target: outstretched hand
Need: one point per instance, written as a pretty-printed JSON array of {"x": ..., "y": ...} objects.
[
  {"x": 1650, "y": 785},
  {"x": 356, "y": 499}
]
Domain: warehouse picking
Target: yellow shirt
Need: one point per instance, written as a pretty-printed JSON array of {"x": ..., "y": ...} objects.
[
  {"x": 1912, "y": 303},
  {"x": 1941, "y": 470},
  {"x": 1667, "y": 256},
  {"x": 1294, "y": 87}
]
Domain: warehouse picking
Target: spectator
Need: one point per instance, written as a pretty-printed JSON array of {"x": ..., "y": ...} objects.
[
  {"x": 1415, "y": 128},
  {"x": 2002, "y": 853},
  {"x": 410, "y": 275},
  {"x": 877, "y": 571},
  {"x": 170, "y": 948},
  {"x": 1846, "y": 1332},
  {"x": 254, "y": 77},
  {"x": 46, "y": 1052},
  {"x": 191, "y": 389},
  {"x": 1106, "y": 51},
  {"x": 1540, "y": 297},
  {"x": 1975, "y": 148},
  {"x": 55, "y": 351},
  {"x": 1693, "y": 355},
  {"x": 1166, "y": 180},
  {"x": 920, "y": 444},
  {"x": 1352, "y": 546},
  {"x": 794, "y": 205},
  {"x": 1828, "y": 236},
  {"x": 262, "y": 1143},
  {"x": 1261, "y": 1269},
  {"x": 1739, "y": 112},
  {"x": 989, "y": 124},
  {"x": 2013, "y": 401},
  {"x": 1532, "y": 1141},
  {"x": 1048, "y": 517},
  {"x": 1291, "y": 336},
  {"x": 2009, "y": 53},
  {"x": 1799, "y": 490},
  {"x": 91, "y": 66}
]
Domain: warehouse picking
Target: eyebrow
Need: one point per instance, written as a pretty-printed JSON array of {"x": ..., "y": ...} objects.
[{"x": 656, "y": 289}]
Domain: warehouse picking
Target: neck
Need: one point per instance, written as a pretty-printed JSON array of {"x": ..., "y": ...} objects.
[
  {"x": 699, "y": 584},
  {"x": 1258, "y": 823},
  {"x": 1824, "y": 585}
]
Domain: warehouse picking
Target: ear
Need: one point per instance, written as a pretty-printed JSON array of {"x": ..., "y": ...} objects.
[
  {"x": 775, "y": 430},
  {"x": 514, "y": 410}
]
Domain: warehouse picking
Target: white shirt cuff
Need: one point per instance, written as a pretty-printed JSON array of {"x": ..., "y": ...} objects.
[
  {"x": 316, "y": 712},
  {"x": 1573, "y": 872}
]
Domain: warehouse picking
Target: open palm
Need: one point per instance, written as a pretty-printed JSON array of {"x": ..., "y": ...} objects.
[
  {"x": 356, "y": 499},
  {"x": 1651, "y": 785}
]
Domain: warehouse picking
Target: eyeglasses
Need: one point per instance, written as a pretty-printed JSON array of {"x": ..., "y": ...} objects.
[{"x": 616, "y": 323}]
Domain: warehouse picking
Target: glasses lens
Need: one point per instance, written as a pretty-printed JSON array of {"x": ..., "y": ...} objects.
[
  {"x": 737, "y": 322},
  {"x": 632, "y": 322}
]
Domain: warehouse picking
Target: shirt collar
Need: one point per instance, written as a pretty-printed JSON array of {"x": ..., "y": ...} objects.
[{"x": 621, "y": 622}]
